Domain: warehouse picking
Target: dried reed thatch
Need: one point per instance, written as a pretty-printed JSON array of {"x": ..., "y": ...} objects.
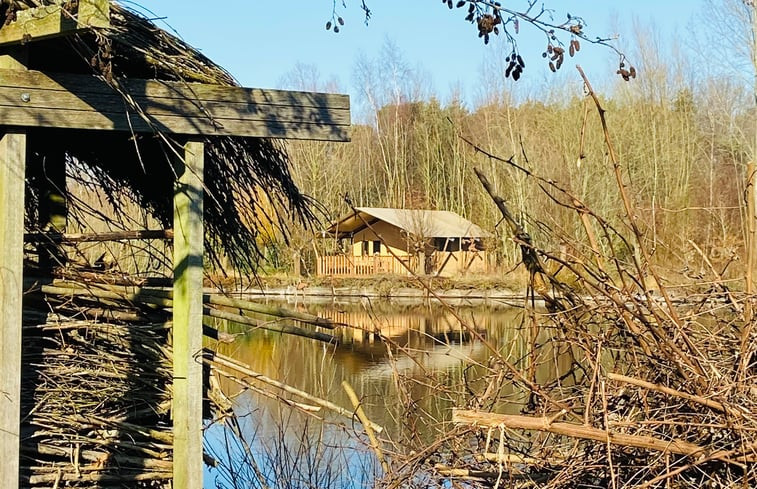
[{"x": 249, "y": 190}]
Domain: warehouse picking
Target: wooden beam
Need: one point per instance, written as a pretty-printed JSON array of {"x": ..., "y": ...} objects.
[
  {"x": 35, "y": 99},
  {"x": 50, "y": 21},
  {"x": 187, "y": 319},
  {"x": 53, "y": 237},
  {"x": 12, "y": 174},
  {"x": 12, "y": 167}
]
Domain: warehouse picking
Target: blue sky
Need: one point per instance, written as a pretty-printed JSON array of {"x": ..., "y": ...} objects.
[{"x": 259, "y": 44}]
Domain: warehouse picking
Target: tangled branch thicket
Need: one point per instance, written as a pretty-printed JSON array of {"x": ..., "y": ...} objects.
[
  {"x": 660, "y": 391},
  {"x": 649, "y": 385}
]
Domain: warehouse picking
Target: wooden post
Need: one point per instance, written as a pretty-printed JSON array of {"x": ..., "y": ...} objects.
[
  {"x": 12, "y": 172},
  {"x": 12, "y": 167},
  {"x": 187, "y": 319}
]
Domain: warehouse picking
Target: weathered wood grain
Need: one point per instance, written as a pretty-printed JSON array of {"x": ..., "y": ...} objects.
[
  {"x": 50, "y": 21},
  {"x": 86, "y": 102},
  {"x": 12, "y": 170},
  {"x": 12, "y": 165},
  {"x": 187, "y": 319}
]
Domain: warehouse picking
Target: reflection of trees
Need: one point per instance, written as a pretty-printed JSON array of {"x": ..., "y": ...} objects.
[{"x": 425, "y": 341}]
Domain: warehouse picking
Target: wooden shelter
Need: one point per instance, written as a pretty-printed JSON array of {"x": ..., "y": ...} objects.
[
  {"x": 90, "y": 82},
  {"x": 383, "y": 240}
]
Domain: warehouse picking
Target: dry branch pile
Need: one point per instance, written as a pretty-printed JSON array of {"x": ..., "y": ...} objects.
[
  {"x": 97, "y": 382},
  {"x": 660, "y": 393},
  {"x": 95, "y": 398}
]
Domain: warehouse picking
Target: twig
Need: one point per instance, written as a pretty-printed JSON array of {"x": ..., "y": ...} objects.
[{"x": 366, "y": 424}]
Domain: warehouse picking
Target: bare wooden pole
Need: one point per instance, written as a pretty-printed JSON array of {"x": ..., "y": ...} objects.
[
  {"x": 187, "y": 318},
  {"x": 12, "y": 166},
  {"x": 12, "y": 170}
]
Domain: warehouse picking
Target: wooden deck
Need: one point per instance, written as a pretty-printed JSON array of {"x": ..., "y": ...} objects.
[
  {"x": 351, "y": 266},
  {"x": 443, "y": 263}
]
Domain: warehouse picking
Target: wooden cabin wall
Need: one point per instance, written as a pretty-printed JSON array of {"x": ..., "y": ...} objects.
[{"x": 391, "y": 236}]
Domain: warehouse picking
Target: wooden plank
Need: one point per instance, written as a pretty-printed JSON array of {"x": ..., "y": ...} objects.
[
  {"x": 48, "y": 21},
  {"x": 187, "y": 319},
  {"x": 12, "y": 172},
  {"x": 176, "y": 90},
  {"x": 174, "y": 106},
  {"x": 12, "y": 167},
  {"x": 85, "y": 102}
]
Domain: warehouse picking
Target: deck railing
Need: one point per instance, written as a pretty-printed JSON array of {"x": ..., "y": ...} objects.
[
  {"x": 360, "y": 265},
  {"x": 443, "y": 263}
]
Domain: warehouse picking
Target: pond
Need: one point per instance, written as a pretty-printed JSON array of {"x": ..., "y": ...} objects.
[{"x": 408, "y": 364}]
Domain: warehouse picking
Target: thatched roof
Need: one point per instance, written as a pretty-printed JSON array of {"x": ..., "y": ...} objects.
[{"x": 247, "y": 179}]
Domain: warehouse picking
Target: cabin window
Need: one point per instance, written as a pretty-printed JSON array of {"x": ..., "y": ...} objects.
[
  {"x": 447, "y": 244},
  {"x": 365, "y": 251},
  {"x": 377, "y": 247}
]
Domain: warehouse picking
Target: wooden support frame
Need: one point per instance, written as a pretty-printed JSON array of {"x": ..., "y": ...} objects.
[
  {"x": 187, "y": 318},
  {"x": 48, "y": 21},
  {"x": 12, "y": 168},
  {"x": 12, "y": 190},
  {"x": 35, "y": 99}
]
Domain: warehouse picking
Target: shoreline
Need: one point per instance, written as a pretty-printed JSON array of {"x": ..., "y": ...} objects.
[{"x": 401, "y": 295}]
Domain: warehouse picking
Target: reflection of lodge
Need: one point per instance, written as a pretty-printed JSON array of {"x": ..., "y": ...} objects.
[
  {"x": 397, "y": 241},
  {"x": 406, "y": 329}
]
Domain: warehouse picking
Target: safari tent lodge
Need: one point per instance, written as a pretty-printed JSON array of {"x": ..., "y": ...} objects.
[{"x": 374, "y": 240}]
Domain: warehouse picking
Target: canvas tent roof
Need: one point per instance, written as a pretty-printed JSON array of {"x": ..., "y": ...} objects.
[{"x": 427, "y": 223}]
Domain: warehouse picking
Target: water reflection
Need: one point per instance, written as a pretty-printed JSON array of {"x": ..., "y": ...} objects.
[{"x": 428, "y": 362}]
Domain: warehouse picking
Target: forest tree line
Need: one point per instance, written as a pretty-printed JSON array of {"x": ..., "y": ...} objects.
[{"x": 684, "y": 136}]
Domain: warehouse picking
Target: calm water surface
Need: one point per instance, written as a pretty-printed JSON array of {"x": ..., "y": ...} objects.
[{"x": 408, "y": 385}]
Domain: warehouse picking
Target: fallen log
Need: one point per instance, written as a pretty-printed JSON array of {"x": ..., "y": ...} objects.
[
  {"x": 164, "y": 297},
  {"x": 573, "y": 430},
  {"x": 360, "y": 412},
  {"x": 280, "y": 328},
  {"x": 161, "y": 300},
  {"x": 248, "y": 385}
]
